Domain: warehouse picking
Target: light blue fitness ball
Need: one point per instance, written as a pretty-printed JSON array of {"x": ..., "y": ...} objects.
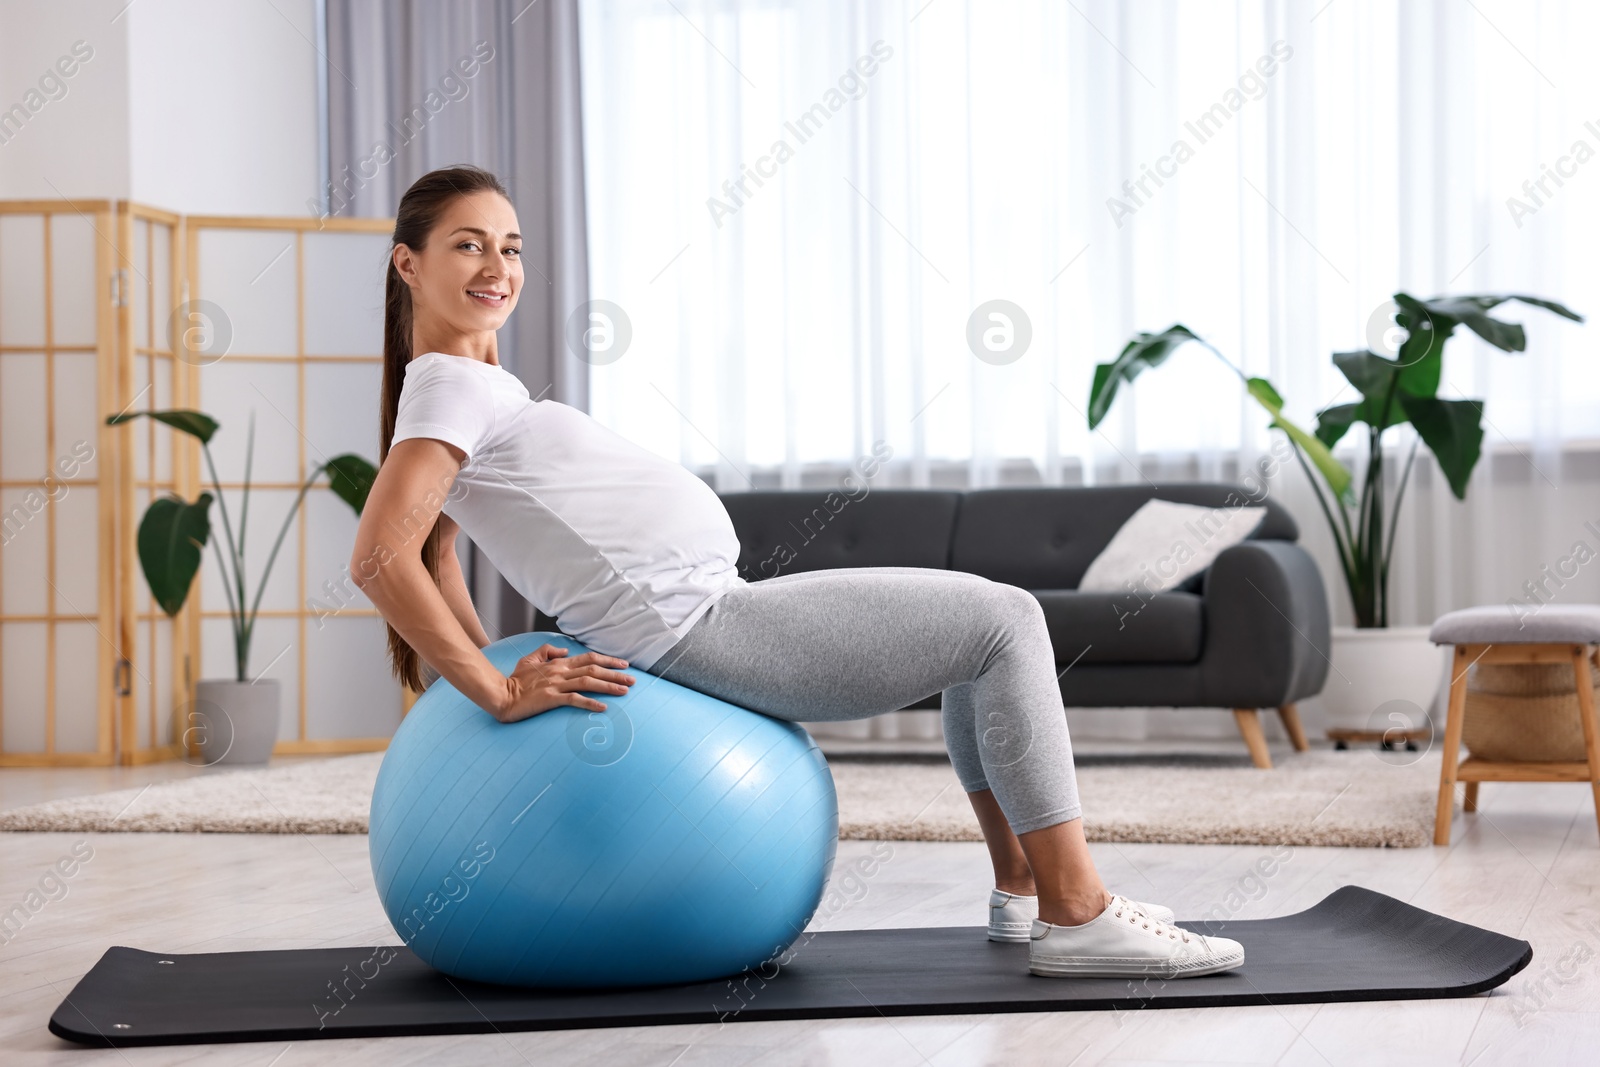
[{"x": 671, "y": 838}]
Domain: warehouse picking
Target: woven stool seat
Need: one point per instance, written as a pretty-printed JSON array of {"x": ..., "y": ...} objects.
[
  {"x": 1523, "y": 712},
  {"x": 1550, "y": 624}
]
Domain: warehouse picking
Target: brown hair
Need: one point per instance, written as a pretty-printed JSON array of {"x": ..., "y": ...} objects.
[{"x": 419, "y": 211}]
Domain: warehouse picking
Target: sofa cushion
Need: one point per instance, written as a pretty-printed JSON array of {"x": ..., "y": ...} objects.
[
  {"x": 785, "y": 531},
  {"x": 1045, "y": 537},
  {"x": 1165, "y": 544},
  {"x": 1122, "y": 628}
]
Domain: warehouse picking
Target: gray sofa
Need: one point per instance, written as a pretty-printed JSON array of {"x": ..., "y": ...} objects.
[{"x": 1251, "y": 632}]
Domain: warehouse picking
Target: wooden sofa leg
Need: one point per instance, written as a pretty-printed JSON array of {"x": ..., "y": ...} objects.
[
  {"x": 1290, "y": 715},
  {"x": 1250, "y": 728},
  {"x": 1471, "y": 801}
]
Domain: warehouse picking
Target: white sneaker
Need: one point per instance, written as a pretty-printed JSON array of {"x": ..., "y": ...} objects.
[
  {"x": 1121, "y": 942},
  {"x": 1011, "y": 916}
]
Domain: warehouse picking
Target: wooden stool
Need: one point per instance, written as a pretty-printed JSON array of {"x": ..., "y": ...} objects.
[{"x": 1549, "y": 634}]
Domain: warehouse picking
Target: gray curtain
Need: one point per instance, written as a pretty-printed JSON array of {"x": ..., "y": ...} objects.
[{"x": 414, "y": 85}]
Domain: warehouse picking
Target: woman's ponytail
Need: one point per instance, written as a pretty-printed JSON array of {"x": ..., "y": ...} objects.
[{"x": 420, "y": 209}]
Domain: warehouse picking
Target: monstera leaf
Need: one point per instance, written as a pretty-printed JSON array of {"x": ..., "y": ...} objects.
[
  {"x": 1333, "y": 472},
  {"x": 351, "y": 477},
  {"x": 1429, "y": 323},
  {"x": 1453, "y": 431},
  {"x": 1148, "y": 350},
  {"x": 1392, "y": 392},
  {"x": 174, "y": 533},
  {"x": 1378, "y": 380},
  {"x": 194, "y": 423},
  {"x": 1145, "y": 351},
  {"x": 1333, "y": 423},
  {"x": 171, "y": 537}
]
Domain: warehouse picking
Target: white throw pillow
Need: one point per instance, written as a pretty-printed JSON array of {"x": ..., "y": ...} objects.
[{"x": 1164, "y": 543}]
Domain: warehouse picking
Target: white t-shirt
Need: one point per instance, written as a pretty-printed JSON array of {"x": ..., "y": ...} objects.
[{"x": 624, "y": 548}]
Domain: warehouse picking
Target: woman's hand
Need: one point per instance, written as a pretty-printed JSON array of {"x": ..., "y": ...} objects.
[{"x": 545, "y": 679}]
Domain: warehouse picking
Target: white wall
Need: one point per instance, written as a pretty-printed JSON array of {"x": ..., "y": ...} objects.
[
  {"x": 204, "y": 108},
  {"x": 223, "y": 105},
  {"x": 63, "y": 136}
]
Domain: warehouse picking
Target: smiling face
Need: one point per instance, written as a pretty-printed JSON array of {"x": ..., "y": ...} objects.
[{"x": 465, "y": 282}]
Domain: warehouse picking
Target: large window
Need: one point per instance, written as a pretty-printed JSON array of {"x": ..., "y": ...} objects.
[{"x": 800, "y": 207}]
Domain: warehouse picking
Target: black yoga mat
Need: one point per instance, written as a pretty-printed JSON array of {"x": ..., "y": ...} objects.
[{"x": 1354, "y": 945}]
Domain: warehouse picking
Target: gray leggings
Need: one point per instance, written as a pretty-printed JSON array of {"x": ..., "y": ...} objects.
[{"x": 856, "y": 642}]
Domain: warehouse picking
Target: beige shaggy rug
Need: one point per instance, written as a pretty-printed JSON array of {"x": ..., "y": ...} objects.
[{"x": 1314, "y": 798}]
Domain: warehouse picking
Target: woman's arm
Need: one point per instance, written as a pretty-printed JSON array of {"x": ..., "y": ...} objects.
[
  {"x": 453, "y": 584},
  {"x": 405, "y": 500}
]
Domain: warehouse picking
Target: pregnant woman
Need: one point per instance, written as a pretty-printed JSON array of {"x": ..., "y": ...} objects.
[{"x": 636, "y": 558}]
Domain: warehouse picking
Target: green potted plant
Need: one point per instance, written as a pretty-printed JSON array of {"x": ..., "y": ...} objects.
[
  {"x": 237, "y": 718},
  {"x": 1374, "y": 663}
]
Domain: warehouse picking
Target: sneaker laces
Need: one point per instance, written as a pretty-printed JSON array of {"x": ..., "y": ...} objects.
[{"x": 1123, "y": 908}]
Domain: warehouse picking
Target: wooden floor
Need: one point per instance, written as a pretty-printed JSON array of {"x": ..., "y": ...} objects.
[{"x": 1527, "y": 864}]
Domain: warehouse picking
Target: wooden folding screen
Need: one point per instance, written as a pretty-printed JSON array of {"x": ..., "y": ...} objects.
[
  {"x": 156, "y": 671},
  {"x": 58, "y": 640},
  {"x": 108, "y": 307},
  {"x": 303, "y": 302}
]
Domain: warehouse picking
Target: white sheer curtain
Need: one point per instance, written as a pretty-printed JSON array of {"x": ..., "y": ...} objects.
[{"x": 1105, "y": 167}]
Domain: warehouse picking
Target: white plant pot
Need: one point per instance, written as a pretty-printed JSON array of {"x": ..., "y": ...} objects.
[
  {"x": 234, "y": 722},
  {"x": 1378, "y": 674}
]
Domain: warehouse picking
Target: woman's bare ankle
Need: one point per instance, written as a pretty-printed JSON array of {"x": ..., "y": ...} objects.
[
  {"x": 1074, "y": 909},
  {"x": 1017, "y": 886}
]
